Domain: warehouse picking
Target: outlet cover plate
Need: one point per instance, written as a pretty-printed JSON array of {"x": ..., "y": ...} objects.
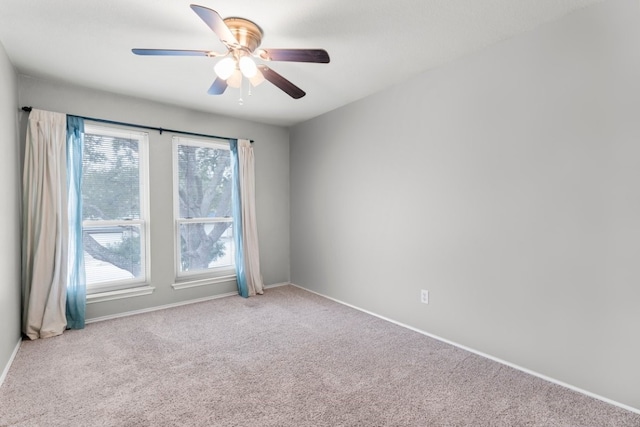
[{"x": 424, "y": 296}]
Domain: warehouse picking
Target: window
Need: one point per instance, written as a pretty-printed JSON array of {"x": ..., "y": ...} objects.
[
  {"x": 114, "y": 208},
  {"x": 202, "y": 207}
]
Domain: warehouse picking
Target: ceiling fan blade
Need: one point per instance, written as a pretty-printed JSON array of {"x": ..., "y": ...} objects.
[
  {"x": 217, "y": 25},
  {"x": 295, "y": 55},
  {"x": 173, "y": 52},
  {"x": 285, "y": 85},
  {"x": 218, "y": 87}
]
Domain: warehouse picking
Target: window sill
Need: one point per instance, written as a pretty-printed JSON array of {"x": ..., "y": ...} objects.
[
  {"x": 203, "y": 282},
  {"x": 119, "y": 294}
]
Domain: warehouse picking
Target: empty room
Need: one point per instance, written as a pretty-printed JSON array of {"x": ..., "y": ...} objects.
[{"x": 364, "y": 213}]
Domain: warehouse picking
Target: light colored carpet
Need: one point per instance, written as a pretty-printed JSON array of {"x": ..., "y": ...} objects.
[{"x": 287, "y": 358}]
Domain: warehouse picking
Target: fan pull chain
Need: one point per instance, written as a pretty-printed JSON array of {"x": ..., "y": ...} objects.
[{"x": 240, "y": 100}]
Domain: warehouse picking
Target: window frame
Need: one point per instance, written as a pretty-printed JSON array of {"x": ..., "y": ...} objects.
[
  {"x": 226, "y": 272},
  {"x": 143, "y": 222}
]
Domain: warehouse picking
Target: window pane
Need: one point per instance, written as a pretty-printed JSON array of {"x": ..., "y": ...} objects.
[
  {"x": 112, "y": 253},
  {"x": 111, "y": 178},
  {"x": 204, "y": 182},
  {"x": 206, "y": 245}
]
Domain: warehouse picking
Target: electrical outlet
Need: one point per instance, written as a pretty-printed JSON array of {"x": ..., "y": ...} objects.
[{"x": 424, "y": 296}]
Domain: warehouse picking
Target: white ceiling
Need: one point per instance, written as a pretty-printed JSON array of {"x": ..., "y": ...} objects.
[{"x": 373, "y": 44}]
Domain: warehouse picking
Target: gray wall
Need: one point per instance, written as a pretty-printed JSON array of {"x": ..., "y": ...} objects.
[
  {"x": 272, "y": 181},
  {"x": 508, "y": 185},
  {"x": 9, "y": 212}
]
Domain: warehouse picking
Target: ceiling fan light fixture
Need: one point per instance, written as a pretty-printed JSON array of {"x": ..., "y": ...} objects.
[
  {"x": 248, "y": 67},
  {"x": 225, "y": 68}
]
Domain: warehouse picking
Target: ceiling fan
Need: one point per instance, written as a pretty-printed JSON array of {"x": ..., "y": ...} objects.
[{"x": 242, "y": 39}]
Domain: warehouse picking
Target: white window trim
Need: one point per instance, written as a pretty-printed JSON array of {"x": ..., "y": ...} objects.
[
  {"x": 119, "y": 294},
  {"x": 204, "y": 282},
  {"x": 188, "y": 279},
  {"x": 121, "y": 287}
]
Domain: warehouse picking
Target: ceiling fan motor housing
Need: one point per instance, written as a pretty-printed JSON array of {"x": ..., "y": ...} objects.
[{"x": 248, "y": 33}]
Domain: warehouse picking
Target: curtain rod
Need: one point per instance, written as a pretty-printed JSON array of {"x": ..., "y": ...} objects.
[{"x": 158, "y": 129}]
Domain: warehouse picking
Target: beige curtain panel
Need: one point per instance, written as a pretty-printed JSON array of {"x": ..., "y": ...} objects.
[
  {"x": 249, "y": 222},
  {"x": 45, "y": 225}
]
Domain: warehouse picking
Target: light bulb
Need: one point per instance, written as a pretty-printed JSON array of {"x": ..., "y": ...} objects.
[
  {"x": 225, "y": 68},
  {"x": 248, "y": 67}
]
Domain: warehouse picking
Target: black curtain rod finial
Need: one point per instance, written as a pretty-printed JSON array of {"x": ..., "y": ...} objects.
[{"x": 27, "y": 109}]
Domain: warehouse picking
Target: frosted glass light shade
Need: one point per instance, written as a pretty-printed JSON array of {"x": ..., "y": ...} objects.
[
  {"x": 225, "y": 68},
  {"x": 248, "y": 67},
  {"x": 257, "y": 79},
  {"x": 235, "y": 80}
]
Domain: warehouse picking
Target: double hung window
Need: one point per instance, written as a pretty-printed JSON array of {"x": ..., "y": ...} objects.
[
  {"x": 114, "y": 208},
  {"x": 202, "y": 207}
]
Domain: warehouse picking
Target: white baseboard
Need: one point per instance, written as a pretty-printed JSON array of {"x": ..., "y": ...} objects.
[
  {"x": 10, "y": 362},
  {"x": 479, "y": 353},
  {"x": 277, "y": 285},
  {"x": 177, "y": 304}
]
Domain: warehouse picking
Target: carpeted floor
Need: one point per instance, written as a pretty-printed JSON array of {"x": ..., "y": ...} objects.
[{"x": 287, "y": 358}]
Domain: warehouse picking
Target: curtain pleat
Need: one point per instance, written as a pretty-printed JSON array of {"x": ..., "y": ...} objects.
[
  {"x": 76, "y": 284},
  {"x": 45, "y": 224}
]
